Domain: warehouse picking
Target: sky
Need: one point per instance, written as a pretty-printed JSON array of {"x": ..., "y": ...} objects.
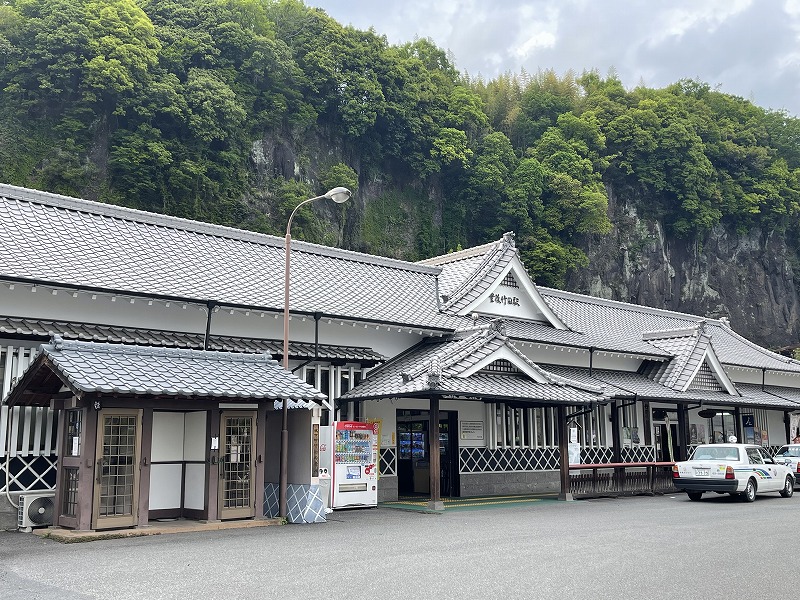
[{"x": 748, "y": 48}]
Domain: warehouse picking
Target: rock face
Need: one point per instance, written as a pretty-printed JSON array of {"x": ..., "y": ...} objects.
[{"x": 746, "y": 277}]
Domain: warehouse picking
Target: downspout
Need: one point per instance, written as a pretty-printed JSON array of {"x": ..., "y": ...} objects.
[
  {"x": 591, "y": 359},
  {"x": 211, "y": 304},
  {"x": 8, "y": 457},
  {"x": 763, "y": 377}
]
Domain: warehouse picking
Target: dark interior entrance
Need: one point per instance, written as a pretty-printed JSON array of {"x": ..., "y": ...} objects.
[
  {"x": 666, "y": 440},
  {"x": 413, "y": 458}
]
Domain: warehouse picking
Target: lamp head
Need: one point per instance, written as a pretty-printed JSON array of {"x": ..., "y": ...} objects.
[{"x": 339, "y": 195}]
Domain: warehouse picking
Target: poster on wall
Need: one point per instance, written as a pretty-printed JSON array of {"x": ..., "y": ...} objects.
[
  {"x": 794, "y": 426},
  {"x": 701, "y": 434},
  {"x": 471, "y": 430},
  {"x": 377, "y": 426},
  {"x": 693, "y": 434}
]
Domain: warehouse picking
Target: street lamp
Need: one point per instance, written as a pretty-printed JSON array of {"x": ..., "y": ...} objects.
[{"x": 338, "y": 195}]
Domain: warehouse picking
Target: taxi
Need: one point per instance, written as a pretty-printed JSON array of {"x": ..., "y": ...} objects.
[
  {"x": 789, "y": 455},
  {"x": 737, "y": 469}
]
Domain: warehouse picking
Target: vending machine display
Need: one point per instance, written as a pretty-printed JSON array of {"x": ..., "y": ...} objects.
[{"x": 349, "y": 450}]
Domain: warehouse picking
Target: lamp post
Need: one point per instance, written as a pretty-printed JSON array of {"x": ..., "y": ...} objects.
[{"x": 338, "y": 195}]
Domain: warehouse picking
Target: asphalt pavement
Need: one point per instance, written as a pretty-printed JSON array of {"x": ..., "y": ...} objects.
[{"x": 641, "y": 547}]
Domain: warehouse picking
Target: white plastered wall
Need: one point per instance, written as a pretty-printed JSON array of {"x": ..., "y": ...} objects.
[{"x": 177, "y": 437}]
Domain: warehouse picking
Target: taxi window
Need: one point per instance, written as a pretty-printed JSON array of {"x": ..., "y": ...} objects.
[
  {"x": 754, "y": 456},
  {"x": 766, "y": 456}
]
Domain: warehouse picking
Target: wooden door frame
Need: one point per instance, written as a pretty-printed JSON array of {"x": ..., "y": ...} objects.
[
  {"x": 249, "y": 511},
  {"x": 131, "y": 520}
]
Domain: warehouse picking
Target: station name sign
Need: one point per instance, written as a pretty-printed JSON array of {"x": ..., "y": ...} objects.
[{"x": 503, "y": 299}]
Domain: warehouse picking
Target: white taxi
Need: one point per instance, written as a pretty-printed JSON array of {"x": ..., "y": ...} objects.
[
  {"x": 736, "y": 469},
  {"x": 789, "y": 455}
]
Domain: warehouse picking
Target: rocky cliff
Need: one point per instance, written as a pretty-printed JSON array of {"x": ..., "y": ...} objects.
[{"x": 751, "y": 278}]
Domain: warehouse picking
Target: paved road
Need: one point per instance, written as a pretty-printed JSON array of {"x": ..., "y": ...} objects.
[{"x": 632, "y": 548}]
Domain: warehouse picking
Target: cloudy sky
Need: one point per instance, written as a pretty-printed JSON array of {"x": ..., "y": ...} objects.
[{"x": 749, "y": 48}]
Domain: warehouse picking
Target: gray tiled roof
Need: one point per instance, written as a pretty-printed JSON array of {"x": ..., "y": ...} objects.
[
  {"x": 474, "y": 282},
  {"x": 143, "y": 370},
  {"x": 625, "y": 324},
  {"x": 624, "y": 384},
  {"x": 689, "y": 350},
  {"x": 177, "y": 339},
  {"x": 82, "y": 243},
  {"x": 539, "y": 332},
  {"x": 85, "y": 244},
  {"x": 435, "y": 366}
]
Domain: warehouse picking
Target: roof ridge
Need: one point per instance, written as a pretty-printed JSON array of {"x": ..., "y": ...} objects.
[
  {"x": 493, "y": 257},
  {"x": 113, "y": 211},
  {"x": 628, "y": 306},
  {"x": 59, "y": 344},
  {"x": 452, "y": 257}
]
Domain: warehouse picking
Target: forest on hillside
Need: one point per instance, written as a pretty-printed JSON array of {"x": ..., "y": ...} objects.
[{"x": 157, "y": 105}]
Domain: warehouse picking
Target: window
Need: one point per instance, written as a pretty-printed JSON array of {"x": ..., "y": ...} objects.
[
  {"x": 754, "y": 456},
  {"x": 72, "y": 440}
]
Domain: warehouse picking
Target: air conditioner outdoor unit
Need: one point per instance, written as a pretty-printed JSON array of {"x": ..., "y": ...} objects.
[{"x": 36, "y": 509}]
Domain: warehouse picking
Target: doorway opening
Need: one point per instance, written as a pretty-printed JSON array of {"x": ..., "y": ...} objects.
[{"x": 413, "y": 457}]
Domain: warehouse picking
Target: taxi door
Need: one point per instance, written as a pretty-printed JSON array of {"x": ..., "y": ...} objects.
[{"x": 765, "y": 472}]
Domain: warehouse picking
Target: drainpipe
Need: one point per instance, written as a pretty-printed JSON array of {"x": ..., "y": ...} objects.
[
  {"x": 211, "y": 304},
  {"x": 763, "y": 377},
  {"x": 9, "y": 415},
  {"x": 591, "y": 360}
]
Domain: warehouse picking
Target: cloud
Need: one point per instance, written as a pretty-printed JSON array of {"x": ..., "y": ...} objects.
[{"x": 747, "y": 48}]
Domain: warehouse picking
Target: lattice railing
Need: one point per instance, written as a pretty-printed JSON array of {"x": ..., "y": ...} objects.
[
  {"x": 388, "y": 466},
  {"x": 596, "y": 456},
  {"x": 638, "y": 454},
  {"x": 28, "y": 473},
  {"x": 505, "y": 460}
]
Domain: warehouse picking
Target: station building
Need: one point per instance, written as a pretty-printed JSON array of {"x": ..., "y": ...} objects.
[{"x": 479, "y": 380}]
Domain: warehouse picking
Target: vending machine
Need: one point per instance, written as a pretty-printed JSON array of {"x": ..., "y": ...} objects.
[{"x": 348, "y": 453}]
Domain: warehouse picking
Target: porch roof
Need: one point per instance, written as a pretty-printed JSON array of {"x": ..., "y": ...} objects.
[
  {"x": 125, "y": 370},
  {"x": 455, "y": 367}
]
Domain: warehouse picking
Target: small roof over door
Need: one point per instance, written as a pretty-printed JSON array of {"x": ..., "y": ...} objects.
[{"x": 140, "y": 371}]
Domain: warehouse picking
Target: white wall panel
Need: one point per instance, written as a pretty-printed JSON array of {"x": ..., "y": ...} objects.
[
  {"x": 165, "y": 486},
  {"x": 194, "y": 496},
  {"x": 167, "y": 437},
  {"x": 194, "y": 441}
]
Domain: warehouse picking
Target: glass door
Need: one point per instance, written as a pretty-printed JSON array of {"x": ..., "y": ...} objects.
[
  {"x": 237, "y": 495},
  {"x": 117, "y": 471}
]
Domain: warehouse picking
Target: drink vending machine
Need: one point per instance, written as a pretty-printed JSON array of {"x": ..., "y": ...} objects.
[{"x": 348, "y": 454}]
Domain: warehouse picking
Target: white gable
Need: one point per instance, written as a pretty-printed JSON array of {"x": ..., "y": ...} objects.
[{"x": 514, "y": 295}]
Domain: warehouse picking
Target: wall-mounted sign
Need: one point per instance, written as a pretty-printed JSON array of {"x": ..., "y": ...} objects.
[
  {"x": 503, "y": 299},
  {"x": 471, "y": 430}
]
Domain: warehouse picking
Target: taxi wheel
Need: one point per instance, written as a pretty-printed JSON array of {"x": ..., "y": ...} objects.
[
  {"x": 749, "y": 493},
  {"x": 788, "y": 488},
  {"x": 695, "y": 495}
]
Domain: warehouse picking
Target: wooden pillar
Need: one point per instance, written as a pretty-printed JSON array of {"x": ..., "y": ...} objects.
[
  {"x": 260, "y": 464},
  {"x": 145, "y": 452},
  {"x": 737, "y": 424},
  {"x": 616, "y": 434},
  {"x": 435, "y": 502},
  {"x": 683, "y": 432},
  {"x": 563, "y": 450},
  {"x": 212, "y": 472},
  {"x": 648, "y": 423},
  {"x": 786, "y": 426},
  {"x": 86, "y": 474}
]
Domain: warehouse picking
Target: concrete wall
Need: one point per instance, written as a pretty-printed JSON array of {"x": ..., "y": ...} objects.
[
  {"x": 8, "y": 514},
  {"x": 496, "y": 484}
]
